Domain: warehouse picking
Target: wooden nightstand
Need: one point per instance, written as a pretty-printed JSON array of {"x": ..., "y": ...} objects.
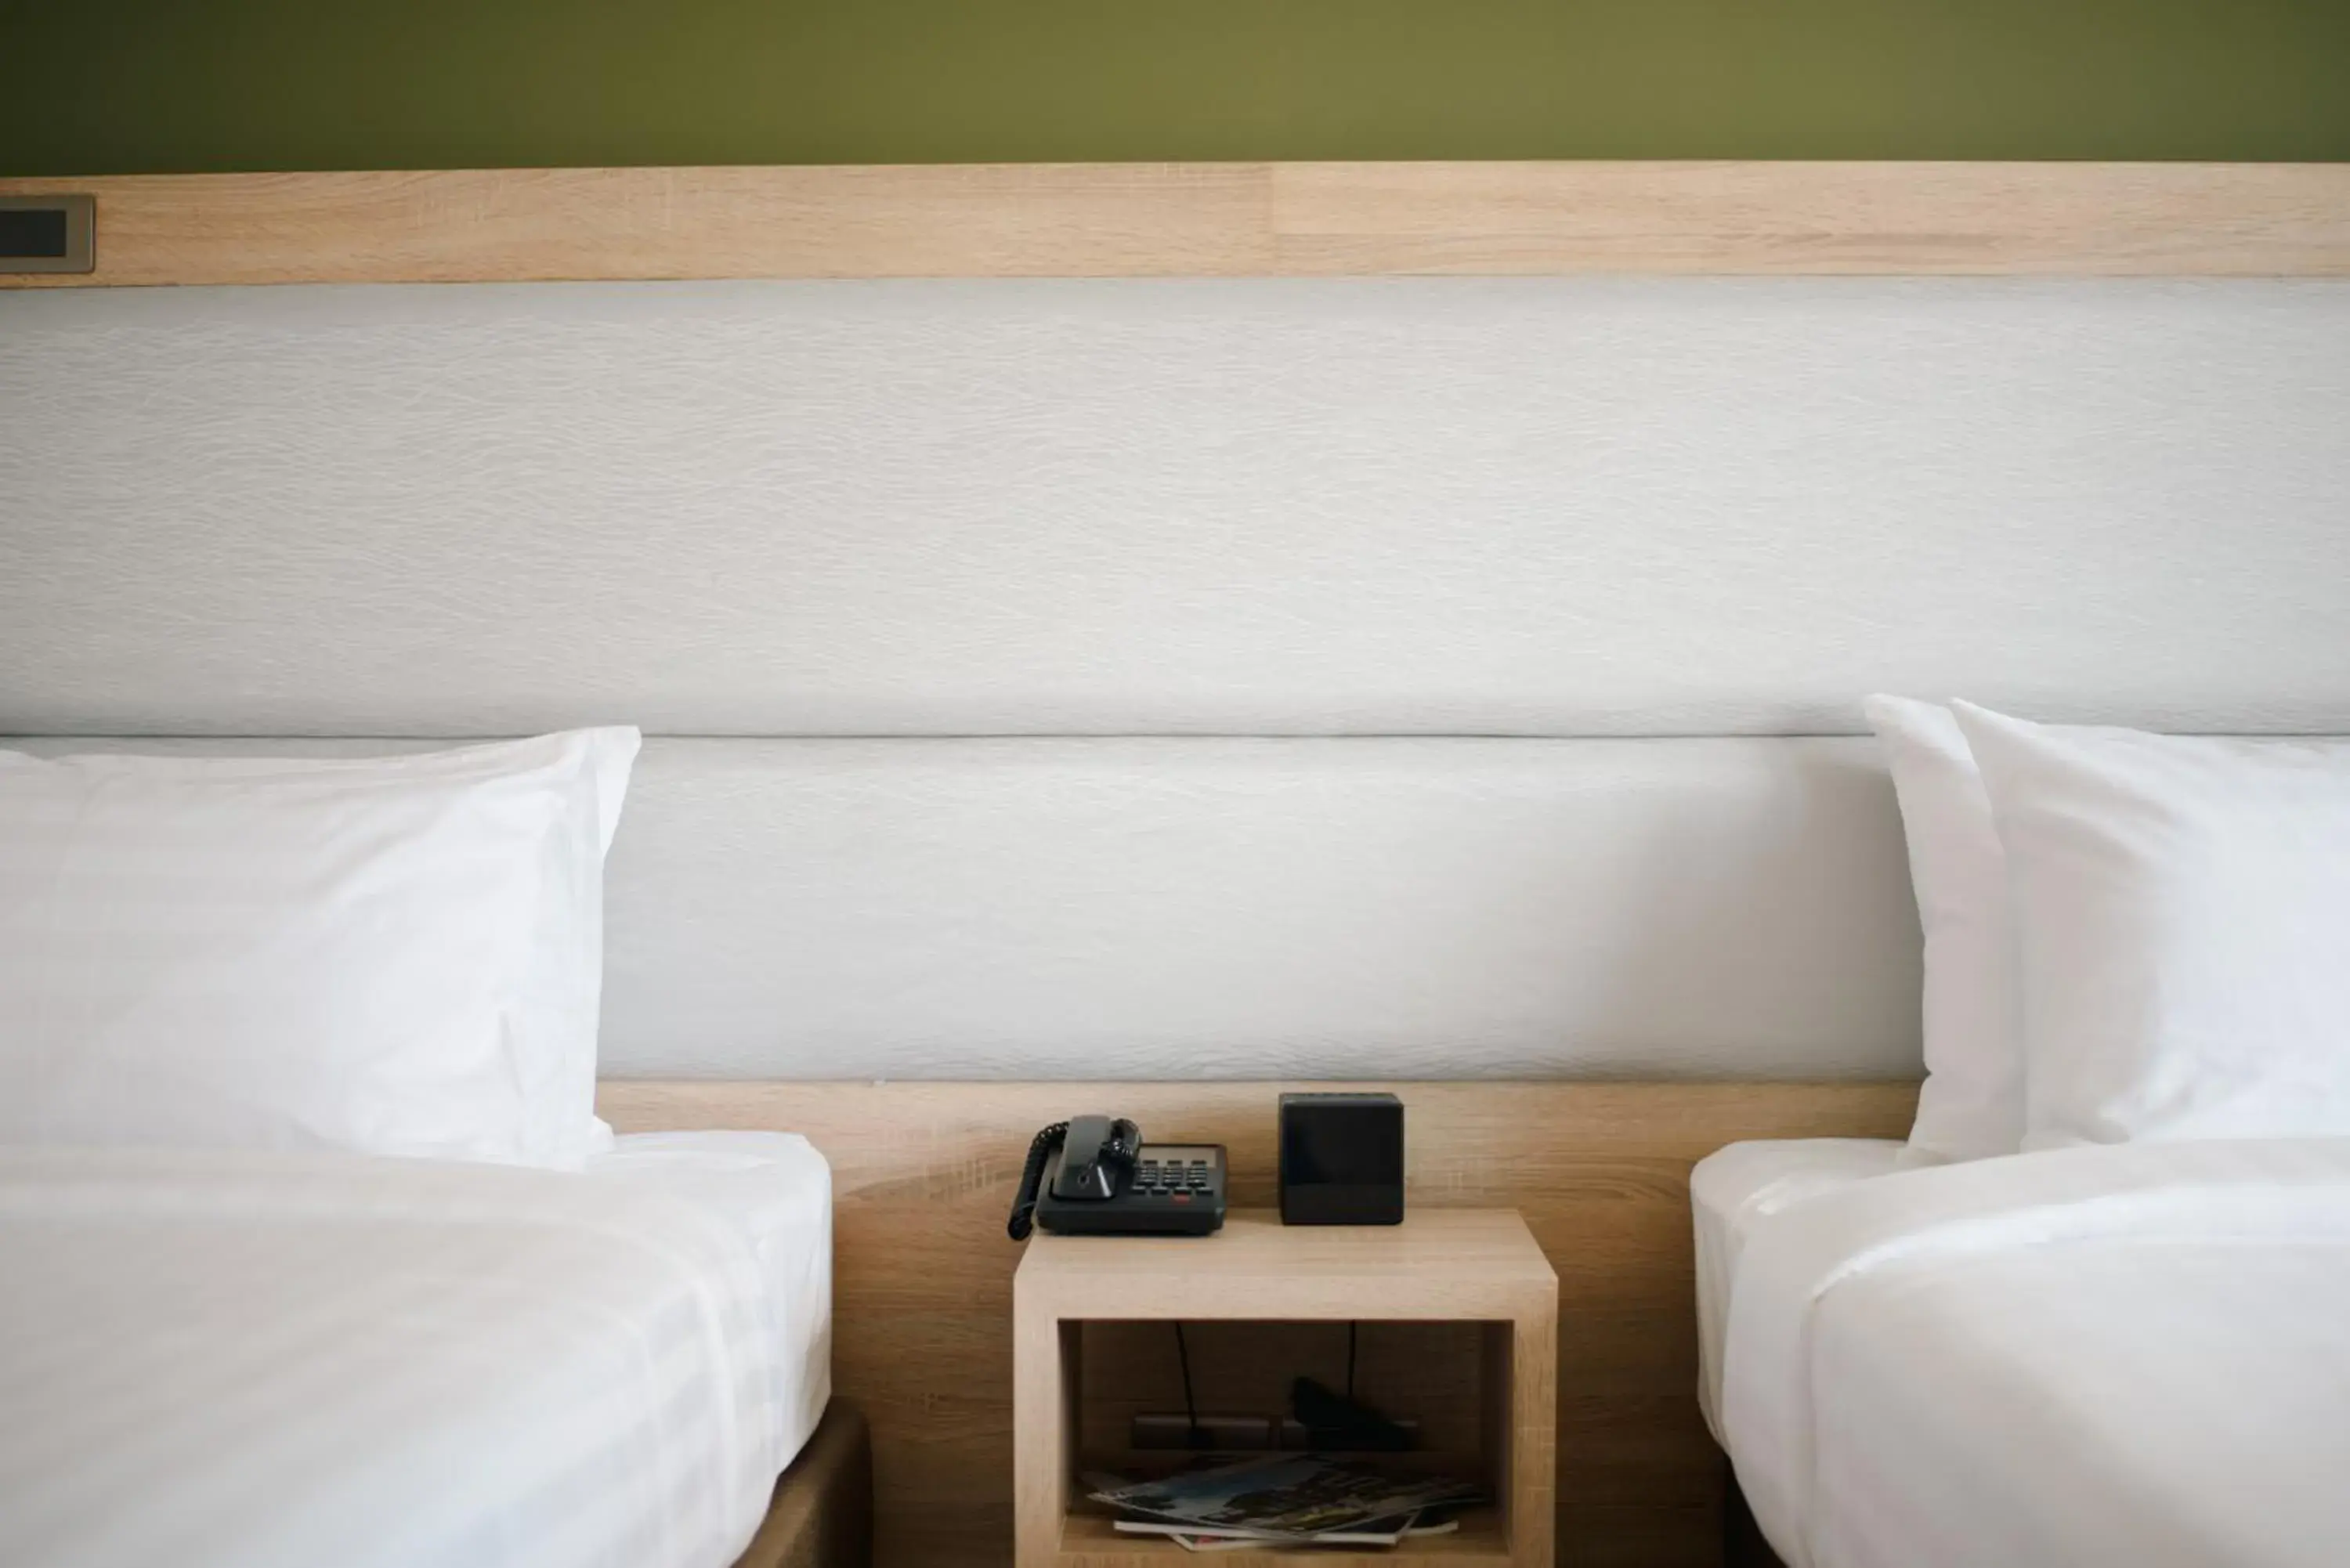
[{"x": 1462, "y": 1266}]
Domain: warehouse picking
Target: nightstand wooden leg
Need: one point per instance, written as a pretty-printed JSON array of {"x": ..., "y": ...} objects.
[
  {"x": 1522, "y": 1400},
  {"x": 1045, "y": 1389}
]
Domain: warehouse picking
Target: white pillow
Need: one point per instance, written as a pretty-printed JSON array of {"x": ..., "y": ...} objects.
[
  {"x": 1971, "y": 1103},
  {"x": 399, "y": 955},
  {"x": 2183, "y": 912}
]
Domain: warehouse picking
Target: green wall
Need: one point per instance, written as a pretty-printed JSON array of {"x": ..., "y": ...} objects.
[{"x": 114, "y": 85}]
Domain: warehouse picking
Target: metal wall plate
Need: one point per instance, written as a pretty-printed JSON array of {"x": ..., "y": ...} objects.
[{"x": 48, "y": 233}]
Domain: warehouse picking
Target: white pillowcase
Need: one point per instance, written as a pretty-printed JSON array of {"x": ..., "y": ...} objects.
[
  {"x": 2182, "y": 907},
  {"x": 399, "y": 955},
  {"x": 1971, "y": 1103}
]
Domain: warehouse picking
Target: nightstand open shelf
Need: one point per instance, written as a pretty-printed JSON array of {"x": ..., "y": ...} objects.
[{"x": 1463, "y": 1296}]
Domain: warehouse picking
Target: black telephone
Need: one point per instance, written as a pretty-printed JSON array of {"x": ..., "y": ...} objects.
[{"x": 1106, "y": 1183}]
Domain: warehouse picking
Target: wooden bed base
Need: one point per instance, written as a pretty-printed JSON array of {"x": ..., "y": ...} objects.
[
  {"x": 923, "y": 1174},
  {"x": 822, "y": 1512}
]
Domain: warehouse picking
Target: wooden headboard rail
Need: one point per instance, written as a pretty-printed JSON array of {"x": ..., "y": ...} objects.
[{"x": 1132, "y": 220}]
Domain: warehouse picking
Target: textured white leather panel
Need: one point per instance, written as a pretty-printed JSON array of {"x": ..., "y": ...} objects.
[
  {"x": 1579, "y": 505},
  {"x": 1310, "y": 908}
]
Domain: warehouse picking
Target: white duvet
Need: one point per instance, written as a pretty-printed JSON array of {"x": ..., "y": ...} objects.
[
  {"x": 221, "y": 1358},
  {"x": 2135, "y": 1355}
]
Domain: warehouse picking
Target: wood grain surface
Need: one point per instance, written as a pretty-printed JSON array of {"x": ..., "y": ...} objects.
[
  {"x": 924, "y": 1173},
  {"x": 1213, "y": 220},
  {"x": 1473, "y": 1269}
]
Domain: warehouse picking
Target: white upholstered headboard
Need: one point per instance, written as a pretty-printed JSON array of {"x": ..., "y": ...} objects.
[{"x": 1425, "y": 678}]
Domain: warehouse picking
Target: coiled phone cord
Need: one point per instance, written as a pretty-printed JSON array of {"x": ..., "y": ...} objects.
[{"x": 1032, "y": 1178}]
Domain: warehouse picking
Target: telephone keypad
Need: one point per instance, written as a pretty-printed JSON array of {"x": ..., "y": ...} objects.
[{"x": 1182, "y": 1178}]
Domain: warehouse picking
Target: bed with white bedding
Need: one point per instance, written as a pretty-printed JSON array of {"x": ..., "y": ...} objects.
[
  {"x": 2097, "y": 1308},
  {"x": 264, "y": 1357},
  {"x": 2136, "y": 1354}
]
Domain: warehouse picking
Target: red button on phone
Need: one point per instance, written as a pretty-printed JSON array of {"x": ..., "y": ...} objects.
[{"x": 1180, "y": 1197}]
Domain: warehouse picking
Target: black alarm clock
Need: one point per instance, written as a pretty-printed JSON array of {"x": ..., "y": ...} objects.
[{"x": 1341, "y": 1159}]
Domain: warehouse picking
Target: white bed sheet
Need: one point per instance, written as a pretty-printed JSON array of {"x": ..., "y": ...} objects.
[
  {"x": 258, "y": 1359},
  {"x": 2135, "y": 1353},
  {"x": 1742, "y": 1187}
]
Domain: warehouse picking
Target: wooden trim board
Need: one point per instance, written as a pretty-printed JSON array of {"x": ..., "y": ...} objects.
[
  {"x": 1213, "y": 220},
  {"x": 923, "y": 1174}
]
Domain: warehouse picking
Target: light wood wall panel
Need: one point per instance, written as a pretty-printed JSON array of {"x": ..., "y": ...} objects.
[
  {"x": 2088, "y": 219},
  {"x": 1215, "y": 220},
  {"x": 923, "y": 1174}
]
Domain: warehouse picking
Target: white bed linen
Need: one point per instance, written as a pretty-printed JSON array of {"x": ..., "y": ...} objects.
[
  {"x": 2133, "y": 1354},
  {"x": 1743, "y": 1186},
  {"x": 233, "y": 1358},
  {"x": 1971, "y": 1106},
  {"x": 2180, "y": 906}
]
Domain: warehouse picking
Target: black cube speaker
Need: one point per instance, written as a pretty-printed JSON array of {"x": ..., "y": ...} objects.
[{"x": 1341, "y": 1159}]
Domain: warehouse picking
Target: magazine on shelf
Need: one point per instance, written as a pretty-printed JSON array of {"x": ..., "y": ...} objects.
[
  {"x": 1387, "y": 1532},
  {"x": 1283, "y": 1498},
  {"x": 1244, "y": 1542}
]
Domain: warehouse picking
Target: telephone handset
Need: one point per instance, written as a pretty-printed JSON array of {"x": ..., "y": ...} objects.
[
  {"x": 1105, "y": 1182},
  {"x": 1097, "y": 1154}
]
